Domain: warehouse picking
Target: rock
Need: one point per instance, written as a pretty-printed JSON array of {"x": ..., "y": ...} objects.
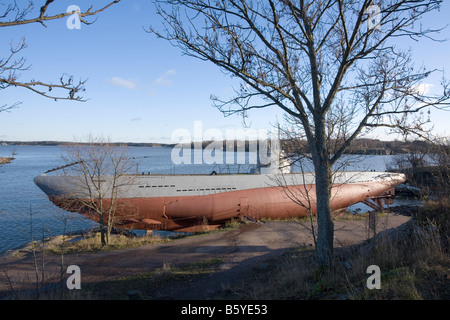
[{"x": 4, "y": 160}]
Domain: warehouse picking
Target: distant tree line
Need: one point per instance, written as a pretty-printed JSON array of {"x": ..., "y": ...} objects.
[
  {"x": 367, "y": 147},
  {"x": 358, "y": 146},
  {"x": 64, "y": 143}
]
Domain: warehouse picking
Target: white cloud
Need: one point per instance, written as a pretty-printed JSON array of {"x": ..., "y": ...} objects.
[
  {"x": 423, "y": 88},
  {"x": 116, "y": 81},
  {"x": 165, "y": 80}
]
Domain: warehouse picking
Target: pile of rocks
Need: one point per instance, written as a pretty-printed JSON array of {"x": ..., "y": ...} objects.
[{"x": 5, "y": 160}]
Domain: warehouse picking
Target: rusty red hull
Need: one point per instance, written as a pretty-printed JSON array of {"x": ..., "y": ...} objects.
[{"x": 193, "y": 213}]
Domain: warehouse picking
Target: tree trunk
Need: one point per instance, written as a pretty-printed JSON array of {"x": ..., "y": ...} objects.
[
  {"x": 325, "y": 234},
  {"x": 103, "y": 238},
  {"x": 101, "y": 213},
  {"x": 102, "y": 235}
]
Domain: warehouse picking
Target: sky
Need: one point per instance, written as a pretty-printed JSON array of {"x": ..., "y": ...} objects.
[{"x": 140, "y": 88}]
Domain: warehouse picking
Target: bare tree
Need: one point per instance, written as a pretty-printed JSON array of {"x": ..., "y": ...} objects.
[
  {"x": 301, "y": 193},
  {"x": 99, "y": 168},
  {"x": 315, "y": 60},
  {"x": 440, "y": 157},
  {"x": 296, "y": 154},
  {"x": 12, "y": 15},
  {"x": 428, "y": 171}
]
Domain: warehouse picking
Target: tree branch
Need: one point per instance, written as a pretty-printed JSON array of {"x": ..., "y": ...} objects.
[
  {"x": 43, "y": 17},
  {"x": 9, "y": 67}
]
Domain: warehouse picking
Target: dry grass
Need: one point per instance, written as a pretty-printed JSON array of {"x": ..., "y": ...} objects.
[
  {"x": 92, "y": 243},
  {"x": 414, "y": 265},
  {"x": 436, "y": 213}
]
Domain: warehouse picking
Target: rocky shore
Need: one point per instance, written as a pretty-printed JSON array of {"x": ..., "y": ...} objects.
[{"x": 4, "y": 160}]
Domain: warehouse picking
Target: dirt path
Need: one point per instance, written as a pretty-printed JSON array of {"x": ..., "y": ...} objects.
[{"x": 240, "y": 249}]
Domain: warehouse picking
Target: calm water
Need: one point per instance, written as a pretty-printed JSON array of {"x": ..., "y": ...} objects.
[{"x": 19, "y": 195}]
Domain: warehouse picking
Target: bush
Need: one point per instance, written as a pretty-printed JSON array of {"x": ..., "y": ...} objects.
[{"x": 436, "y": 214}]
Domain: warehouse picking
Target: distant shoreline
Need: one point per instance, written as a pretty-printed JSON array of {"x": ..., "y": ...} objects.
[
  {"x": 361, "y": 146},
  {"x": 66, "y": 143}
]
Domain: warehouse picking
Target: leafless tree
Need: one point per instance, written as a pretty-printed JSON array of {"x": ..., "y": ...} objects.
[
  {"x": 316, "y": 60},
  {"x": 296, "y": 154},
  {"x": 13, "y": 15},
  {"x": 99, "y": 168},
  {"x": 427, "y": 169},
  {"x": 301, "y": 193},
  {"x": 440, "y": 157}
]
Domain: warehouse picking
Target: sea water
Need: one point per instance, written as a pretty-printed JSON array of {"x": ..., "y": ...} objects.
[{"x": 25, "y": 208}]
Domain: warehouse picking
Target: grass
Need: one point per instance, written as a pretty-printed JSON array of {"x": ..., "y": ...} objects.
[
  {"x": 92, "y": 243},
  {"x": 425, "y": 275},
  {"x": 414, "y": 264},
  {"x": 436, "y": 213}
]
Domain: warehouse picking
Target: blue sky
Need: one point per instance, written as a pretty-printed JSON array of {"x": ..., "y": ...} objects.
[{"x": 140, "y": 88}]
